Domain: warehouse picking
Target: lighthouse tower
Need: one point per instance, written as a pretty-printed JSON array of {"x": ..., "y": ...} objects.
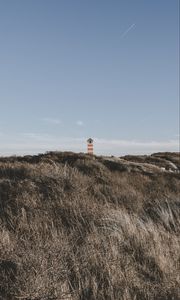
[{"x": 90, "y": 147}]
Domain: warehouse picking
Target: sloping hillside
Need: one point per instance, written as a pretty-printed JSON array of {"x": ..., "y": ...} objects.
[{"x": 81, "y": 227}]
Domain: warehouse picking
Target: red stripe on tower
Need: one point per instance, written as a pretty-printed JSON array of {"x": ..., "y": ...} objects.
[{"x": 90, "y": 147}]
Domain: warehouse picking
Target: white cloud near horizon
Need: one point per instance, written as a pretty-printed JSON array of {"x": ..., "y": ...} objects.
[
  {"x": 136, "y": 147},
  {"x": 32, "y": 143},
  {"x": 52, "y": 121},
  {"x": 80, "y": 123}
]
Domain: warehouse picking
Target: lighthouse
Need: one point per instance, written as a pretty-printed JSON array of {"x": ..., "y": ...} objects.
[{"x": 90, "y": 146}]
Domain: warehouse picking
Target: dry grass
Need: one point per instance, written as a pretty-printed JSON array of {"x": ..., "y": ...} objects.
[{"x": 76, "y": 227}]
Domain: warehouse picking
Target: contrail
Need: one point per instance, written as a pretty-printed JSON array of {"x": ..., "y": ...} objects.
[{"x": 127, "y": 30}]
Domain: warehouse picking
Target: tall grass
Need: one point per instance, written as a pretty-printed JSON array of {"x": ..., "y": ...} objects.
[{"x": 73, "y": 227}]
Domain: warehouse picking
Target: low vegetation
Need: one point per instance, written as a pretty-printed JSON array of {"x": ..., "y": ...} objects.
[{"x": 81, "y": 227}]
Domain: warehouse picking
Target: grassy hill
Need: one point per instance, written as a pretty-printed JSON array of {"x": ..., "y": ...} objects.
[{"x": 80, "y": 227}]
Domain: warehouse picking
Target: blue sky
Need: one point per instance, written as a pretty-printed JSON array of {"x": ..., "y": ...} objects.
[{"x": 101, "y": 68}]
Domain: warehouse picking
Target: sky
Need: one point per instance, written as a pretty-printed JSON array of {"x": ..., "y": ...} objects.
[{"x": 74, "y": 69}]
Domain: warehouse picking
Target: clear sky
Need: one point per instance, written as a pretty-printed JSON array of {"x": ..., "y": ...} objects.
[{"x": 73, "y": 69}]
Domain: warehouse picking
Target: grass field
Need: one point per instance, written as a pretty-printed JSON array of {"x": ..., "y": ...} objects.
[{"x": 81, "y": 227}]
